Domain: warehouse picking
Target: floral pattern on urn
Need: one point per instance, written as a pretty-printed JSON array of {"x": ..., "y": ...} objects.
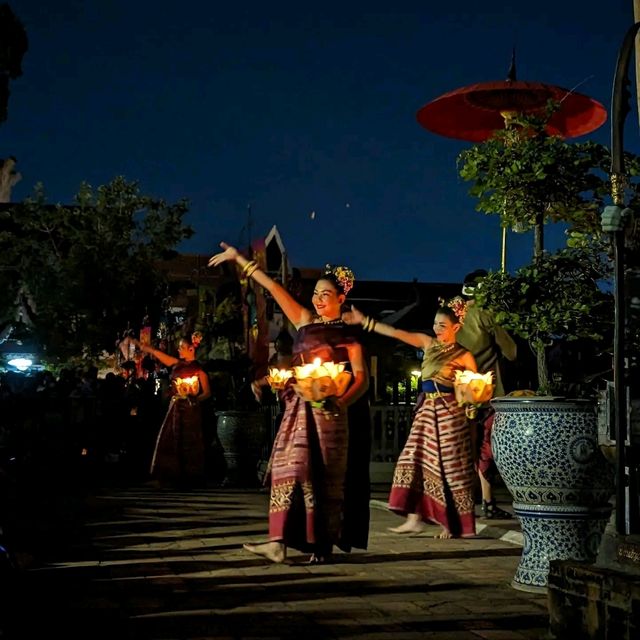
[{"x": 546, "y": 450}]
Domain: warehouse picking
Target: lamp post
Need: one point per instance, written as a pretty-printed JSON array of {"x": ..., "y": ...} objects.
[{"x": 614, "y": 220}]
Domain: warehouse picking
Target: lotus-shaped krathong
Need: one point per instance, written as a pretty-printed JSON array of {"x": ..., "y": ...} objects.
[
  {"x": 278, "y": 378},
  {"x": 319, "y": 380},
  {"x": 473, "y": 389},
  {"x": 186, "y": 387}
]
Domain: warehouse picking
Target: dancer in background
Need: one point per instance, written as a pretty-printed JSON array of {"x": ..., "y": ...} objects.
[{"x": 179, "y": 455}]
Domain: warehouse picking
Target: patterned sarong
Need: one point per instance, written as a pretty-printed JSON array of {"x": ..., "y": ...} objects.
[
  {"x": 434, "y": 475},
  {"x": 307, "y": 471}
]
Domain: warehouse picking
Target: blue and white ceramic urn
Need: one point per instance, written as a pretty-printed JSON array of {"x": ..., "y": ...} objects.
[{"x": 546, "y": 450}]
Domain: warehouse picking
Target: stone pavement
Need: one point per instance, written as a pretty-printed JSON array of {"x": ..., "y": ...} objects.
[{"x": 142, "y": 563}]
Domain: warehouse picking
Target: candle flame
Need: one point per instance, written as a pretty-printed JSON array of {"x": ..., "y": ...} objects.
[
  {"x": 187, "y": 386},
  {"x": 277, "y": 378},
  {"x": 474, "y": 388}
]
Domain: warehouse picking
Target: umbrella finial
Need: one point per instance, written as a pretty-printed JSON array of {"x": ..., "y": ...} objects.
[{"x": 511, "y": 76}]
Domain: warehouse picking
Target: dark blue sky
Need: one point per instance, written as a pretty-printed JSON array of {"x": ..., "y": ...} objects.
[{"x": 294, "y": 108}]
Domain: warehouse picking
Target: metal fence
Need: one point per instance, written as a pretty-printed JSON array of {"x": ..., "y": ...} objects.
[{"x": 390, "y": 425}]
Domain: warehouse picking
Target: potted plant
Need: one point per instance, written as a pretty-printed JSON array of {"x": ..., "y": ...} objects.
[
  {"x": 546, "y": 446},
  {"x": 241, "y": 428}
]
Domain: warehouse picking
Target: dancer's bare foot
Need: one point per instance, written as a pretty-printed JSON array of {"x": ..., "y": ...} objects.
[
  {"x": 320, "y": 559},
  {"x": 413, "y": 524},
  {"x": 274, "y": 551},
  {"x": 443, "y": 535}
]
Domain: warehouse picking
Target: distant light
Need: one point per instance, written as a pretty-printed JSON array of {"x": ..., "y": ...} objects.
[
  {"x": 416, "y": 373},
  {"x": 22, "y": 364}
]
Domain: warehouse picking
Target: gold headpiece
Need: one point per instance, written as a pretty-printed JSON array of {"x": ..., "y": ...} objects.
[
  {"x": 343, "y": 275},
  {"x": 458, "y": 304}
]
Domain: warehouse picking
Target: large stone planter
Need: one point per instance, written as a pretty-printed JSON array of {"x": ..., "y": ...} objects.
[
  {"x": 242, "y": 436},
  {"x": 546, "y": 450}
]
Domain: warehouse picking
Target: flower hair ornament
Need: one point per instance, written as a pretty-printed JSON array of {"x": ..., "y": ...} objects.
[
  {"x": 343, "y": 275},
  {"x": 458, "y": 304},
  {"x": 196, "y": 339}
]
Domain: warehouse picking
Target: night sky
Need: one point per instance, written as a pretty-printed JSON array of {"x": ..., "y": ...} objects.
[{"x": 303, "y": 111}]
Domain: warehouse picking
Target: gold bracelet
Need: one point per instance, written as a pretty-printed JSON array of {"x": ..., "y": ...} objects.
[
  {"x": 251, "y": 263},
  {"x": 254, "y": 267},
  {"x": 373, "y": 325},
  {"x": 366, "y": 323}
]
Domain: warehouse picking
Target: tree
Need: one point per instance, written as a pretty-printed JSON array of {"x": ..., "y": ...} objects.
[
  {"x": 80, "y": 274},
  {"x": 529, "y": 179}
]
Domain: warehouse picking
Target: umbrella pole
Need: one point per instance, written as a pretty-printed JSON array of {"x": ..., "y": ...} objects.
[{"x": 503, "y": 257}]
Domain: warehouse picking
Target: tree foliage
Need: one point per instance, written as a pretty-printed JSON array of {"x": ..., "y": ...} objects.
[
  {"x": 522, "y": 172},
  {"x": 81, "y": 273},
  {"x": 530, "y": 178},
  {"x": 555, "y": 298}
]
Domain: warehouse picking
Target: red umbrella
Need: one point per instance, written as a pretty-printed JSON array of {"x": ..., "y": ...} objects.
[{"x": 475, "y": 112}]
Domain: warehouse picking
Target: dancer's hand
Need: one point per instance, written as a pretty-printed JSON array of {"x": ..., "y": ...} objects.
[
  {"x": 229, "y": 254},
  {"x": 332, "y": 406},
  {"x": 256, "y": 388},
  {"x": 355, "y": 316}
]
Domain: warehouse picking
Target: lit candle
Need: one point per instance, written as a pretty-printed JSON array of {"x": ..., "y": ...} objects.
[
  {"x": 473, "y": 388},
  {"x": 319, "y": 380},
  {"x": 278, "y": 378},
  {"x": 187, "y": 386}
]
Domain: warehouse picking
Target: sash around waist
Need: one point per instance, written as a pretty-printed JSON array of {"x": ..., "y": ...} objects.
[{"x": 430, "y": 386}]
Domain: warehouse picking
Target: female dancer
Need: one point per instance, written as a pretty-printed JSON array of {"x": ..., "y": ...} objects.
[
  {"x": 434, "y": 476},
  {"x": 314, "y": 495},
  {"x": 179, "y": 452}
]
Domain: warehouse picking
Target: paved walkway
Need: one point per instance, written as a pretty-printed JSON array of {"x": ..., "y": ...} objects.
[{"x": 139, "y": 563}]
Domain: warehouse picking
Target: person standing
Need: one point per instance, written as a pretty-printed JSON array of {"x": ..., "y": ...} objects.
[
  {"x": 488, "y": 342},
  {"x": 179, "y": 454},
  {"x": 434, "y": 475},
  {"x": 312, "y": 492}
]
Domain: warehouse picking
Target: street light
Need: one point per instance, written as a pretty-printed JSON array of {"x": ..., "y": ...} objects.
[{"x": 21, "y": 364}]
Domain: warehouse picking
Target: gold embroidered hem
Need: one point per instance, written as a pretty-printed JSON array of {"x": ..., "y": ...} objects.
[
  {"x": 434, "y": 476},
  {"x": 282, "y": 496}
]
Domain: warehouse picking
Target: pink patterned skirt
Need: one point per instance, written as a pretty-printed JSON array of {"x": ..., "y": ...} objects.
[
  {"x": 307, "y": 471},
  {"x": 434, "y": 476}
]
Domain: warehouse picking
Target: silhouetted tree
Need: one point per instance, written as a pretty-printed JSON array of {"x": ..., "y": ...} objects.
[{"x": 79, "y": 274}]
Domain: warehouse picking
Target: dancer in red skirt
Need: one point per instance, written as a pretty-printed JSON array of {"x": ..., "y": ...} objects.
[
  {"x": 434, "y": 476},
  {"x": 319, "y": 466}
]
